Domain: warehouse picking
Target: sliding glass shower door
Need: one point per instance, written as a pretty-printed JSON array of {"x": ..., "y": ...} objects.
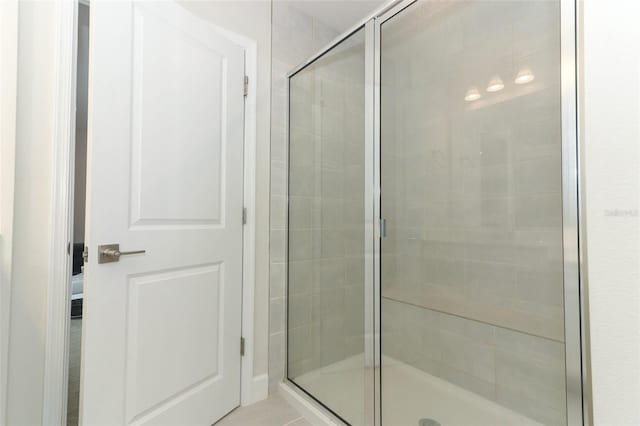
[{"x": 472, "y": 295}]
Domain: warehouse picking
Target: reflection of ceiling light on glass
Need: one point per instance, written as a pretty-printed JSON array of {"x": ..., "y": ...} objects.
[
  {"x": 472, "y": 95},
  {"x": 495, "y": 84},
  {"x": 524, "y": 76}
]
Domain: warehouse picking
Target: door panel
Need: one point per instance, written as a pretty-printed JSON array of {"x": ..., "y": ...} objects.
[
  {"x": 166, "y": 110},
  {"x": 152, "y": 300},
  {"x": 194, "y": 115}
]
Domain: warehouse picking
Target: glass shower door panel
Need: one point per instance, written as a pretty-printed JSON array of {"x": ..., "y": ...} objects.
[
  {"x": 326, "y": 313},
  {"x": 472, "y": 318}
]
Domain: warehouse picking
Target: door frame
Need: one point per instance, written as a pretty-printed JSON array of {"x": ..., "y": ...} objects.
[{"x": 252, "y": 388}]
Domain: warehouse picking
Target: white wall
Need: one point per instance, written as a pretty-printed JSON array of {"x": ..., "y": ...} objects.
[
  {"x": 252, "y": 19},
  {"x": 34, "y": 135},
  {"x": 610, "y": 116},
  {"x": 8, "y": 82}
]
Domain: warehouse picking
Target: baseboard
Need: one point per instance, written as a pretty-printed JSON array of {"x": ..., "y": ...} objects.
[
  {"x": 259, "y": 390},
  {"x": 309, "y": 409}
]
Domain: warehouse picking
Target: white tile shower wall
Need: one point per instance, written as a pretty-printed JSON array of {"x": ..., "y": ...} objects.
[
  {"x": 519, "y": 371},
  {"x": 472, "y": 265},
  {"x": 295, "y": 37}
]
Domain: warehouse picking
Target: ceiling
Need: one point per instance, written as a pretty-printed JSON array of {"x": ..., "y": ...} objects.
[{"x": 339, "y": 15}]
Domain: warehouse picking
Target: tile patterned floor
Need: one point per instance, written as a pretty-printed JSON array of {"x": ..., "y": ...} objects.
[{"x": 273, "y": 411}]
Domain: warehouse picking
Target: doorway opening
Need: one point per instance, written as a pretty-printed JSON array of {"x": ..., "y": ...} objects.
[
  {"x": 79, "y": 202},
  {"x": 176, "y": 270}
]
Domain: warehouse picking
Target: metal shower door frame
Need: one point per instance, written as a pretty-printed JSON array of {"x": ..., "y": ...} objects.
[{"x": 577, "y": 379}]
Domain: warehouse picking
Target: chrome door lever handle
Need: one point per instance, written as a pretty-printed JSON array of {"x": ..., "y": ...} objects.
[{"x": 108, "y": 253}]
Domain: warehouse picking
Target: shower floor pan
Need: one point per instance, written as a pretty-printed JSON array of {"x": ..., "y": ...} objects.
[{"x": 411, "y": 395}]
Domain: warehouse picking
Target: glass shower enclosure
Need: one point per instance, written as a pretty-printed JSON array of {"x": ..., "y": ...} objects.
[
  {"x": 433, "y": 258},
  {"x": 326, "y": 230}
]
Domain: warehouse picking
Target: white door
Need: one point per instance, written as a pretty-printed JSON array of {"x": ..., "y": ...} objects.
[{"x": 161, "y": 341}]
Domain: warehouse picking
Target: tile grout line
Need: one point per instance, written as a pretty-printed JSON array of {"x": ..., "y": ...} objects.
[{"x": 293, "y": 421}]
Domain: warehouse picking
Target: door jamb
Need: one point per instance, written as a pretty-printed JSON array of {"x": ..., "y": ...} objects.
[
  {"x": 252, "y": 388},
  {"x": 54, "y": 404}
]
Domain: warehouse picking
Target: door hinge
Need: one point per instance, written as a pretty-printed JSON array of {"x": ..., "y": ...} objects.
[
  {"x": 244, "y": 215},
  {"x": 242, "y": 346},
  {"x": 383, "y": 227},
  {"x": 246, "y": 85},
  {"x": 68, "y": 247},
  {"x": 85, "y": 254}
]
